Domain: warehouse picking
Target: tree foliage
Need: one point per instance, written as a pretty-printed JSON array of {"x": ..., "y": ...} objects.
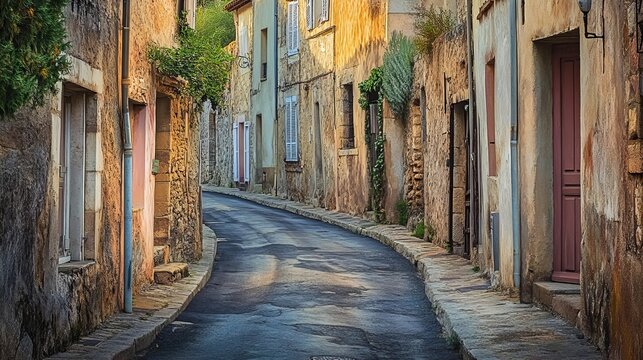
[
  {"x": 429, "y": 25},
  {"x": 199, "y": 61},
  {"x": 32, "y": 46},
  {"x": 397, "y": 76},
  {"x": 214, "y": 22}
]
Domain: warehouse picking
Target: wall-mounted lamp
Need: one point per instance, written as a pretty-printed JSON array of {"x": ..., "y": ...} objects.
[
  {"x": 243, "y": 61},
  {"x": 585, "y": 7}
]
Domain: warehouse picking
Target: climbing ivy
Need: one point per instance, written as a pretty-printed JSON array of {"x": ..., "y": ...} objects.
[
  {"x": 397, "y": 74},
  {"x": 32, "y": 47},
  {"x": 369, "y": 87},
  {"x": 198, "y": 59}
]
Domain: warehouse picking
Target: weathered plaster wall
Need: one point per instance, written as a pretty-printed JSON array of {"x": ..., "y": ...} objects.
[
  {"x": 262, "y": 96},
  {"x": 448, "y": 59},
  {"x": 491, "y": 44},
  {"x": 612, "y": 264}
]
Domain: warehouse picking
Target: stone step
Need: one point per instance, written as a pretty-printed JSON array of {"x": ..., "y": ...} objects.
[
  {"x": 562, "y": 299},
  {"x": 161, "y": 255},
  {"x": 167, "y": 274}
]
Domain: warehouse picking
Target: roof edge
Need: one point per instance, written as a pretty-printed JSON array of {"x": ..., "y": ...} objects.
[{"x": 236, "y": 4}]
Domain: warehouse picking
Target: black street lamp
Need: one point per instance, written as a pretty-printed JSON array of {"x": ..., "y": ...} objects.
[{"x": 585, "y": 7}]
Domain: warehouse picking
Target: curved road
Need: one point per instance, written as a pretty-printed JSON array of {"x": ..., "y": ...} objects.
[{"x": 287, "y": 287}]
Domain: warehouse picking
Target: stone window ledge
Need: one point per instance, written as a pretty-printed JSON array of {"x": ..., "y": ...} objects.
[
  {"x": 348, "y": 152},
  {"x": 75, "y": 267},
  {"x": 294, "y": 167}
]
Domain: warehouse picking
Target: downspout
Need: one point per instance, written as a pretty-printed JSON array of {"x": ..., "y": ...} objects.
[
  {"x": 275, "y": 127},
  {"x": 471, "y": 112},
  {"x": 515, "y": 182},
  {"x": 451, "y": 168},
  {"x": 127, "y": 171}
]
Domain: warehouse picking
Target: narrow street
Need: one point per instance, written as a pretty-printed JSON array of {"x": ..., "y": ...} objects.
[{"x": 287, "y": 287}]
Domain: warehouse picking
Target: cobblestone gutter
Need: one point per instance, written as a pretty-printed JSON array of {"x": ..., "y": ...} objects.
[
  {"x": 122, "y": 336},
  {"x": 485, "y": 324}
]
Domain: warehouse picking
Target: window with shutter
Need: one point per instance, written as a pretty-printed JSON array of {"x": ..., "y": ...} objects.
[
  {"x": 293, "y": 28},
  {"x": 246, "y": 143},
  {"x": 292, "y": 129},
  {"x": 325, "y": 10},
  {"x": 235, "y": 156},
  {"x": 310, "y": 14},
  {"x": 243, "y": 41}
]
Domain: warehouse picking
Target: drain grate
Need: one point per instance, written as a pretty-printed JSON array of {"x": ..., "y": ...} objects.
[{"x": 330, "y": 357}]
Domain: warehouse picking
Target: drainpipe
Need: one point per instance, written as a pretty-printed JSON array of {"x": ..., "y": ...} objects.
[
  {"x": 274, "y": 129},
  {"x": 515, "y": 181},
  {"x": 127, "y": 171},
  {"x": 451, "y": 166},
  {"x": 471, "y": 112}
]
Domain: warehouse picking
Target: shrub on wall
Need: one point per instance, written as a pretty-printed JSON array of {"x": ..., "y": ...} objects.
[
  {"x": 397, "y": 77},
  {"x": 32, "y": 46},
  {"x": 214, "y": 22},
  {"x": 198, "y": 60},
  {"x": 429, "y": 25}
]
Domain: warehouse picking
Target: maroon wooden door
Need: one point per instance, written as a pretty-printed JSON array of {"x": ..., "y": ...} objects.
[{"x": 567, "y": 152}]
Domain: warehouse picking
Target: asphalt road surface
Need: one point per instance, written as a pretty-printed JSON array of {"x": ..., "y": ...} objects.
[{"x": 287, "y": 287}]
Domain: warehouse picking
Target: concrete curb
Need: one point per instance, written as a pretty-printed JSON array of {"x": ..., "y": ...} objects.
[
  {"x": 485, "y": 324},
  {"x": 123, "y": 335}
]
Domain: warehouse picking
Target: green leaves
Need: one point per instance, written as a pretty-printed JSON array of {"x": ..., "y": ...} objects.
[
  {"x": 429, "y": 25},
  {"x": 397, "y": 77},
  {"x": 198, "y": 60},
  {"x": 32, "y": 44}
]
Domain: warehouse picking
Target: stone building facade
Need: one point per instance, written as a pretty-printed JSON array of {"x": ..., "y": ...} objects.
[
  {"x": 60, "y": 170},
  {"x": 579, "y": 175}
]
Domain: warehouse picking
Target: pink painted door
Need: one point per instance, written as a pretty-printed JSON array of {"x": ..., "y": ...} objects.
[{"x": 567, "y": 162}]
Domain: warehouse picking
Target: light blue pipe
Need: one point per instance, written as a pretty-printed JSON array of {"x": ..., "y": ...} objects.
[
  {"x": 515, "y": 181},
  {"x": 127, "y": 165}
]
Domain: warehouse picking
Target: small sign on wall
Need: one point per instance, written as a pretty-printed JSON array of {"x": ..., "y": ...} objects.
[{"x": 155, "y": 167}]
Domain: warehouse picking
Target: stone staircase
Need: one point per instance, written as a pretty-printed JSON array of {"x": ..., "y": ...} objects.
[
  {"x": 561, "y": 299},
  {"x": 165, "y": 272}
]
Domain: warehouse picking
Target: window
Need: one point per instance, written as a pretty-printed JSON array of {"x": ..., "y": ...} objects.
[
  {"x": 292, "y": 32},
  {"x": 490, "y": 83},
  {"x": 243, "y": 40},
  {"x": 292, "y": 129},
  {"x": 348, "y": 129},
  {"x": 325, "y": 10},
  {"x": 78, "y": 173},
  {"x": 264, "y": 54},
  {"x": 310, "y": 14}
]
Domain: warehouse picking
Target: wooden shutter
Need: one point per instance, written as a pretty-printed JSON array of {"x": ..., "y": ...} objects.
[
  {"x": 310, "y": 14},
  {"x": 243, "y": 41},
  {"x": 490, "y": 84},
  {"x": 295, "y": 128},
  {"x": 293, "y": 27},
  {"x": 235, "y": 151},
  {"x": 325, "y": 10},
  {"x": 246, "y": 142},
  {"x": 292, "y": 128}
]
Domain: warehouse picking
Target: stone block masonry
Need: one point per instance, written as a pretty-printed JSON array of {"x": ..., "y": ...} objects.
[{"x": 486, "y": 324}]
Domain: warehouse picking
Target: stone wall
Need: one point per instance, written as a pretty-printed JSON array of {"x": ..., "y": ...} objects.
[
  {"x": 45, "y": 306},
  {"x": 448, "y": 60}
]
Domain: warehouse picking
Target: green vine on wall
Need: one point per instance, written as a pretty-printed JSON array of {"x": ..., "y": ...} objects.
[
  {"x": 32, "y": 47},
  {"x": 198, "y": 59},
  {"x": 371, "y": 89}
]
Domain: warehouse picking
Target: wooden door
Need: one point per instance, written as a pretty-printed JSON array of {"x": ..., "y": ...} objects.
[
  {"x": 242, "y": 153},
  {"x": 567, "y": 162}
]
